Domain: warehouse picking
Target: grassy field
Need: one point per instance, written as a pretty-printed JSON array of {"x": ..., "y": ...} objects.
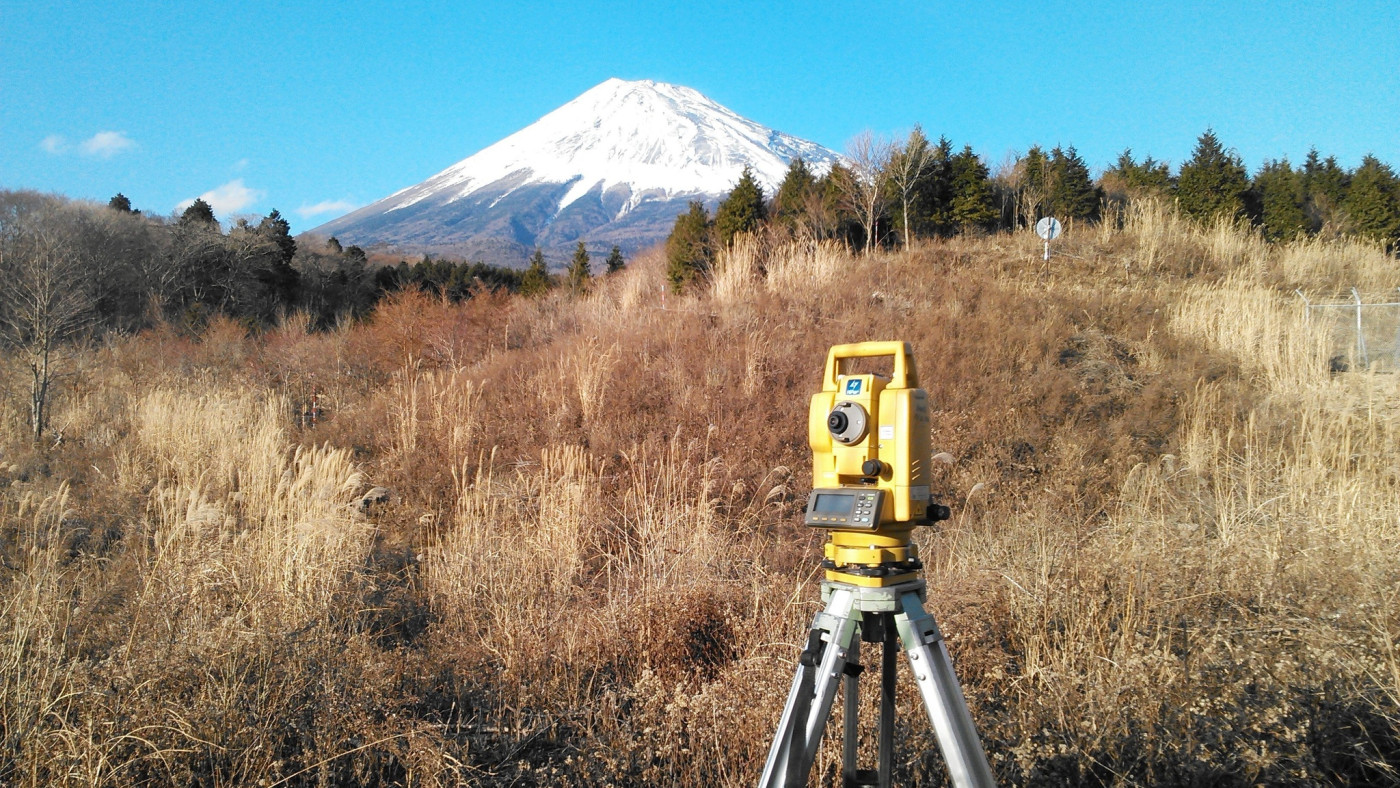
[{"x": 1172, "y": 557}]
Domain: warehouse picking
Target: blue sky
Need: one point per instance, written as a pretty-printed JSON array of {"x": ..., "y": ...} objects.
[{"x": 314, "y": 108}]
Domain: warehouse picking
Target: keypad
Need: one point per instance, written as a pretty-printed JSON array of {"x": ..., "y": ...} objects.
[{"x": 864, "y": 512}]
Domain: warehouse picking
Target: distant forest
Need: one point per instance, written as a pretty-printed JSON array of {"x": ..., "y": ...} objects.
[
  {"x": 70, "y": 267},
  {"x": 896, "y": 192}
]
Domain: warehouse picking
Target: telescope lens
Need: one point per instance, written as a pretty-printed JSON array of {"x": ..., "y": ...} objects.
[{"x": 836, "y": 422}]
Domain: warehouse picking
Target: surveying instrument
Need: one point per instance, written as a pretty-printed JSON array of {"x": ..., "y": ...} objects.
[{"x": 870, "y": 488}]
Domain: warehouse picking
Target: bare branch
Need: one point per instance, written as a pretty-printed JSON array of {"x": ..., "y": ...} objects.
[
  {"x": 908, "y": 164},
  {"x": 863, "y": 181},
  {"x": 43, "y": 302}
]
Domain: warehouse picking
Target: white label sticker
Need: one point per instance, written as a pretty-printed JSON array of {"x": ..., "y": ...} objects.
[{"x": 886, "y": 432}]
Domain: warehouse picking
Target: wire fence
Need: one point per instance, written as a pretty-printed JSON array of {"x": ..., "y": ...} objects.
[{"x": 1361, "y": 335}]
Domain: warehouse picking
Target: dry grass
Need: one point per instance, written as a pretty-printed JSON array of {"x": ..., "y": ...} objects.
[{"x": 1171, "y": 560}]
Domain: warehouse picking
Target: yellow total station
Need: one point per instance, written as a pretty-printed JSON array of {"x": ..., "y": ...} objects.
[{"x": 870, "y": 466}]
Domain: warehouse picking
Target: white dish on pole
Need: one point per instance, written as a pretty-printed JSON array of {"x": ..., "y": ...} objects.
[{"x": 1048, "y": 228}]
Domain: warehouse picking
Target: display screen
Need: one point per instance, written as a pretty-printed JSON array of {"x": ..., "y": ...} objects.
[{"x": 833, "y": 504}]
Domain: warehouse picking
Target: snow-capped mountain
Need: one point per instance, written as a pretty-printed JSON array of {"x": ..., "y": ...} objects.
[{"x": 613, "y": 166}]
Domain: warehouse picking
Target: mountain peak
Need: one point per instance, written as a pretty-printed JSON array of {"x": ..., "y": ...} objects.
[{"x": 620, "y": 147}]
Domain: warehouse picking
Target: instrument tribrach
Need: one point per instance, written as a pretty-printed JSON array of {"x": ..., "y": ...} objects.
[{"x": 870, "y": 477}]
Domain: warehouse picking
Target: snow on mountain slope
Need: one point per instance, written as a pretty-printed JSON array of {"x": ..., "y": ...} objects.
[{"x": 580, "y": 172}]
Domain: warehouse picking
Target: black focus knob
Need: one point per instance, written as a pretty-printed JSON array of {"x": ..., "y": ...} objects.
[
  {"x": 872, "y": 467},
  {"x": 837, "y": 422},
  {"x": 937, "y": 512}
]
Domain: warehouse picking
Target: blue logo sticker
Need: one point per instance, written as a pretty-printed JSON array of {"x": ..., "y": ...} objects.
[{"x": 853, "y": 387}]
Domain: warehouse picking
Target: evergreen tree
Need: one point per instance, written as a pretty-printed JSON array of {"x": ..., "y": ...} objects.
[
  {"x": 833, "y": 219},
  {"x": 1037, "y": 170},
  {"x": 199, "y": 214},
  {"x": 277, "y": 230},
  {"x": 333, "y": 245},
  {"x": 972, "y": 207},
  {"x": 688, "y": 249},
  {"x": 277, "y": 281},
  {"x": 1071, "y": 193},
  {"x": 1124, "y": 166},
  {"x": 1154, "y": 177},
  {"x": 1213, "y": 183},
  {"x": 403, "y": 274},
  {"x": 1115, "y": 179},
  {"x": 120, "y": 203},
  {"x": 1372, "y": 202},
  {"x": 932, "y": 204},
  {"x": 1324, "y": 188},
  {"x": 1034, "y": 170},
  {"x": 1279, "y": 191},
  {"x": 794, "y": 198},
  {"x": 742, "y": 211},
  {"x": 579, "y": 275},
  {"x": 354, "y": 264},
  {"x": 1148, "y": 179},
  {"x": 536, "y": 279},
  {"x": 615, "y": 262}
]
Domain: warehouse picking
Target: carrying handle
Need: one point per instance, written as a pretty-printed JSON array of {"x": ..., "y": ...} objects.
[{"x": 904, "y": 374}]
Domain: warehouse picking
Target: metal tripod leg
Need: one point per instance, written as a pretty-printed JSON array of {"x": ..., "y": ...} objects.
[
  {"x": 875, "y": 628},
  {"x": 850, "y": 736},
  {"x": 889, "y": 653},
  {"x": 813, "y": 692},
  {"x": 833, "y": 653},
  {"x": 943, "y": 698}
]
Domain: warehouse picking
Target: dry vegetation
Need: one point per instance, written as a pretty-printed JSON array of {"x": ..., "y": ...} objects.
[{"x": 1171, "y": 561}]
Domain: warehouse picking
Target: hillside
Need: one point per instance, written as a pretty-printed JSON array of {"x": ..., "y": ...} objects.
[{"x": 1170, "y": 562}]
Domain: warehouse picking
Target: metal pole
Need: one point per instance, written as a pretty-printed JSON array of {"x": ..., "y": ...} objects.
[
  {"x": 943, "y": 698},
  {"x": 820, "y": 668},
  {"x": 1360, "y": 337},
  {"x": 794, "y": 773},
  {"x": 850, "y": 734},
  {"x": 1395, "y": 349},
  {"x": 887, "y": 689}
]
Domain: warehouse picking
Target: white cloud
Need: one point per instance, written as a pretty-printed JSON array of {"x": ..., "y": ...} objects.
[
  {"x": 106, "y": 144},
  {"x": 326, "y": 206},
  {"x": 55, "y": 144},
  {"x": 230, "y": 198}
]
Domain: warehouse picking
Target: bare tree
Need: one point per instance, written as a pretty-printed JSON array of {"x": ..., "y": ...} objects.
[
  {"x": 1007, "y": 181},
  {"x": 864, "y": 180},
  {"x": 42, "y": 301},
  {"x": 908, "y": 165}
]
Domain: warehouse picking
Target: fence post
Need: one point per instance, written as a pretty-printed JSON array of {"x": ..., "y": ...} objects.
[
  {"x": 1360, "y": 337},
  {"x": 1395, "y": 348}
]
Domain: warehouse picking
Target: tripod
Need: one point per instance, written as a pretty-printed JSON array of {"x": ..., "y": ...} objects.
[{"x": 874, "y": 615}]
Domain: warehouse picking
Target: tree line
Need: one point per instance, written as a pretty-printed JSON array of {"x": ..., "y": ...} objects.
[
  {"x": 884, "y": 194},
  {"x": 70, "y": 269},
  {"x": 130, "y": 270}
]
